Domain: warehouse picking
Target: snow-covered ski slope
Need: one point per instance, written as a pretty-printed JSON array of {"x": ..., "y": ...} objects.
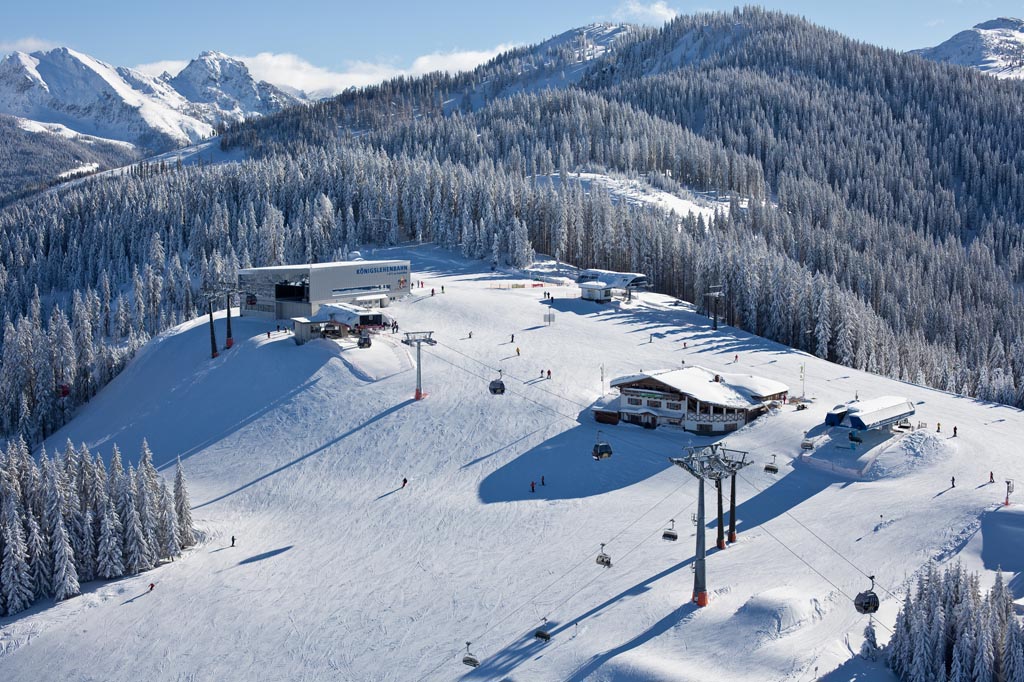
[{"x": 338, "y": 574}]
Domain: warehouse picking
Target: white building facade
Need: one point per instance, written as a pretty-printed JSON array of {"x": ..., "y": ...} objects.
[
  {"x": 287, "y": 291},
  {"x": 693, "y": 398}
]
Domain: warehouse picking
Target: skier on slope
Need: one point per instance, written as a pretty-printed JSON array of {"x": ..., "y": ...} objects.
[
  {"x": 232, "y": 540},
  {"x": 404, "y": 482}
]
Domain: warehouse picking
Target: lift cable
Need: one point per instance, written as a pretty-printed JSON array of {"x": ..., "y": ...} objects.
[{"x": 822, "y": 541}]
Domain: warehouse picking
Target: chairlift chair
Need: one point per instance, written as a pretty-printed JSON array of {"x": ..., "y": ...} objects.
[
  {"x": 602, "y": 450},
  {"x": 542, "y": 632},
  {"x": 603, "y": 559},
  {"x": 670, "y": 533},
  {"x": 771, "y": 467},
  {"x": 867, "y": 602},
  {"x": 497, "y": 386},
  {"x": 469, "y": 659}
]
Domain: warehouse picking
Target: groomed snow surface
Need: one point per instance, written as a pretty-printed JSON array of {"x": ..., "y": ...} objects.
[{"x": 340, "y": 574}]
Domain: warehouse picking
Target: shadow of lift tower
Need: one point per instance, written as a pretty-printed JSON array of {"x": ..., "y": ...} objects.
[{"x": 712, "y": 462}]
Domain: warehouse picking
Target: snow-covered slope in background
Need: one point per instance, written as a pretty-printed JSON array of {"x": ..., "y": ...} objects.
[
  {"x": 340, "y": 574},
  {"x": 995, "y": 47},
  {"x": 556, "y": 63},
  {"x": 66, "y": 87}
]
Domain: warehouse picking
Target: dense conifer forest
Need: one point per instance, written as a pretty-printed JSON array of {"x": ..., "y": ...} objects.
[{"x": 875, "y": 216}]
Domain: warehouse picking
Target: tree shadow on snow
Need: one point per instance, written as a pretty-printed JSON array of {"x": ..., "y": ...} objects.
[
  {"x": 567, "y": 465},
  {"x": 315, "y": 451}
]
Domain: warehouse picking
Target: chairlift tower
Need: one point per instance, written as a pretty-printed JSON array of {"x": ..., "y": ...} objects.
[
  {"x": 712, "y": 462},
  {"x": 714, "y": 293},
  {"x": 212, "y": 293},
  {"x": 418, "y": 339}
]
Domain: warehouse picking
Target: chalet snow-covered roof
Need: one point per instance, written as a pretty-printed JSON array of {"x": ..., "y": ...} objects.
[
  {"x": 593, "y": 285},
  {"x": 733, "y": 390}
]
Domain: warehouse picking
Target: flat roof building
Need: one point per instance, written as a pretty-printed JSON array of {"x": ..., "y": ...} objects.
[{"x": 285, "y": 291}]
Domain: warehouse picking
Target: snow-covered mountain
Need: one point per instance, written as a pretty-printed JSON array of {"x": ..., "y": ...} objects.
[
  {"x": 91, "y": 97},
  {"x": 995, "y": 47},
  {"x": 221, "y": 88}
]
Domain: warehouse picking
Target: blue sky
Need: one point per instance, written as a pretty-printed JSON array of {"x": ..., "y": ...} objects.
[{"x": 342, "y": 42}]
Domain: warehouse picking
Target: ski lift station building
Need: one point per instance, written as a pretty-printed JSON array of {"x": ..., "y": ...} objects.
[
  {"x": 614, "y": 280},
  {"x": 694, "y": 398},
  {"x": 281, "y": 292},
  {"x": 867, "y": 415},
  {"x": 595, "y": 291}
]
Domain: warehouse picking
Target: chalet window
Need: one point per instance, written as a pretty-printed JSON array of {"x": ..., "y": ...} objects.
[
  {"x": 673, "y": 406},
  {"x": 653, "y": 403},
  {"x": 731, "y": 426},
  {"x": 634, "y": 401},
  {"x": 703, "y": 428},
  {"x": 691, "y": 404}
]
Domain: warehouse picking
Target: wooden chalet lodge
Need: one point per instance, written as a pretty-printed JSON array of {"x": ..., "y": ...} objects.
[{"x": 693, "y": 398}]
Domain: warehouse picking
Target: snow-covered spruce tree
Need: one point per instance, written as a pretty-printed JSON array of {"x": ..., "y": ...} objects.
[
  {"x": 948, "y": 631},
  {"x": 64, "y": 578},
  {"x": 869, "y": 649},
  {"x": 147, "y": 496},
  {"x": 1013, "y": 652},
  {"x": 167, "y": 527},
  {"x": 137, "y": 553},
  {"x": 183, "y": 508},
  {"x": 15, "y": 573},
  {"x": 109, "y": 562},
  {"x": 39, "y": 559}
]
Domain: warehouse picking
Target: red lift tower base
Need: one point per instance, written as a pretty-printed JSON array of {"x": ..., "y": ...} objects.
[{"x": 700, "y": 599}]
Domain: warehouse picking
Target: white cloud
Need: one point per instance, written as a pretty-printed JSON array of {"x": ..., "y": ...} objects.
[
  {"x": 293, "y": 72},
  {"x": 455, "y": 61},
  {"x": 171, "y": 66},
  {"x": 29, "y": 44},
  {"x": 654, "y": 13}
]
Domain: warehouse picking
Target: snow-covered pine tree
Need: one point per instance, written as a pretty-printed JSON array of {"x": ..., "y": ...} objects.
[
  {"x": 167, "y": 535},
  {"x": 137, "y": 554},
  {"x": 40, "y": 564},
  {"x": 64, "y": 578},
  {"x": 1013, "y": 652},
  {"x": 15, "y": 572},
  {"x": 984, "y": 654},
  {"x": 183, "y": 508},
  {"x": 899, "y": 650},
  {"x": 109, "y": 562},
  {"x": 869, "y": 649}
]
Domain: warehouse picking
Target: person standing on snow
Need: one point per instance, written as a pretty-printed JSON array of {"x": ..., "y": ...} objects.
[
  {"x": 151, "y": 586},
  {"x": 549, "y": 374},
  {"x": 404, "y": 482},
  {"x": 232, "y": 540},
  {"x": 513, "y": 339},
  {"x": 533, "y": 487},
  {"x": 517, "y": 351},
  {"x": 952, "y": 481}
]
